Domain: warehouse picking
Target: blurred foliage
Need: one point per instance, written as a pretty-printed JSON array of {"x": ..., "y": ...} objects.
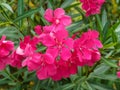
[{"x": 18, "y": 18}]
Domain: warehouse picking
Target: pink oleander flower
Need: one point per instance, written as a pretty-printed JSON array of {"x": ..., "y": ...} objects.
[
  {"x": 6, "y": 46},
  {"x": 43, "y": 64},
  {"x": 57, "y": 17},
  {"x": 118, "y": 74},
  {"x": 59, "y": 43},
  {"x": 86, "y": 48},
  {"x": 92, "y": 7},
  {"x": 17, "y": 57},
  {"x": 27, "y": 48},
  {"x": 28, "y": 45}
]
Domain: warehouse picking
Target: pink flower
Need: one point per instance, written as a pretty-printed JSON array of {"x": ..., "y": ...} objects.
[
  {"x": 62, "y": 46},
  {"x": 118, "y": 74},
  {"x": 57, "y": 17},
  {"x": 86, "y": 48},
  {"x": 28, "y": 45},
  {"x": 16, "y": 58},
  {"x": 92, "y": 6},
  {"x": 6, "y": 46},
  {"x": 43, "y": 64},
  {"x": 26, "y": 49}
]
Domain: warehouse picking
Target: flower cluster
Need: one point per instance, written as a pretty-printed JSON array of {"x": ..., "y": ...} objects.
[
  {"x": 92, "y": 7},
  {"x": 61, "y": 54}
]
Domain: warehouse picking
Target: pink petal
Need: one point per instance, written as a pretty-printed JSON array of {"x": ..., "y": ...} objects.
[
  {"x": 2, "y": 64},
  {"x": 61, "y": 34},
  {"x": 93, "y": 33},
  {"x": 53, "y": 52},
  {"x": 69, "y": 42},
  {"x": 66, "y": 20},
  {"x": 42, "y": 73},
  {"x": 98, "y": 44},
  {"x": 47, "y": 29},
  {"x": 38, "y": 29},
  {"x": 49, "y": 15},
  {"x": 48, "y": 41},
  {"x": 86, "y": 54},
  {"x": 52, "y": 69},
  {"x": 48, "y": 58},
  {"x": 59, "y": 12},
  {"x": 65, "y": 54},
  {"x": 73, "y": 69},
  {"x": 19, "y": 51}
]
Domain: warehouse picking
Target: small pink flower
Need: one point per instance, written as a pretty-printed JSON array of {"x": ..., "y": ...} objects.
[
  {"x": 92, "y": 6},
  {"x": 57, "y": 17},
  {"x": 118, "y": 74}
]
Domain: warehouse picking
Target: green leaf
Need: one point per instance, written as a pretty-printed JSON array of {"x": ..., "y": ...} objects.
[
  {"x": 11, "y": 32},
  {"x": 89, "y": 86},
  {"x": 104, "y": 17},
  {"x": 27, "y": 14},
  {"x": 105, "y": 31},
  {"x": 49, "y": 4},
  {"x": 20, "y": 10},
  {"x": 66, "y": 3},
  {"x": 7, "y": 6},
  {"x": 101, "y": 69},
  {"x": 99, "y": 86},
  {"x": 66, "y": 87},
  {"x": 110, "y": 63}
]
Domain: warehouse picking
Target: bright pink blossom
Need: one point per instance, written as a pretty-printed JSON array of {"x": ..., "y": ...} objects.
[
  {"x": 59, "y": 43},
  {"x": 57, "y": 17},
  {"x": 26, "y": 49},
  {"x": 92, "y": 6},
  {"x": 17, "y": 57},
  {"x": 42, "y": 63},
  {"x": 86, "y": 48},
  {"x": 6, "y": 46},
  {"x": 28, "y": 45}
]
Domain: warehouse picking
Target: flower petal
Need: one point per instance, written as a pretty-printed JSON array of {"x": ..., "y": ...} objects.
[
  {"x": 53, "y": 52},
  {"x": 42, "y": 73},
  {"x": 61, "y": 34},
  {"x": 59, "y": 12},
  {"x": 65, "y": 54},
  {"x": 49, "y": 15},
  {"x": 48, "y": 58},
  {"x": 66, "y": 20}
]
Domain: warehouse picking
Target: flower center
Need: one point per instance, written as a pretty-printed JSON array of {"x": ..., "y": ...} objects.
[{"x": 57, "y": 21}]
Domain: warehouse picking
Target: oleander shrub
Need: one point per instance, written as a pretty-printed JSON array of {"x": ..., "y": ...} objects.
[{"x": 59, "y": 45}]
